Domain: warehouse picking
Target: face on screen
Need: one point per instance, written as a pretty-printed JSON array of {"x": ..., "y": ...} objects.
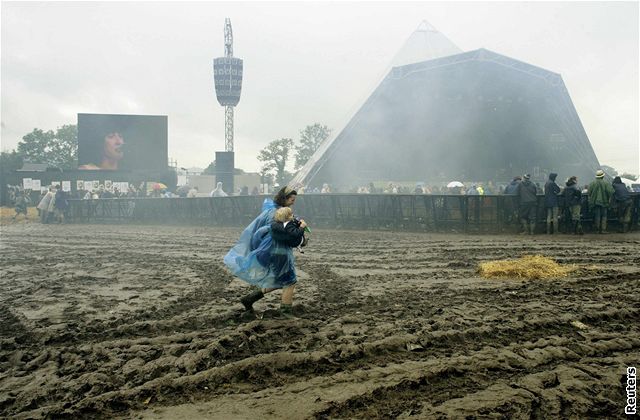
[{"x": 113, "y": 143}]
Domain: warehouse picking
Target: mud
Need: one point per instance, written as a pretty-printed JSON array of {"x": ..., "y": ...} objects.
[{"x": 144, "y": 322}]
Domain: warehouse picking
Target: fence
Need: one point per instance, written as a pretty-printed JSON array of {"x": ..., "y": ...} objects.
[{"x": 434, "y": 213}]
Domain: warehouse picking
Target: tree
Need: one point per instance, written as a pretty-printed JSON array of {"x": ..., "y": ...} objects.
[
  {"x": 211, "y": 169},
  {"x": 274, "y": 157},
  {"x": 64, "y": 148},
  {"x": 10, "y": 161},
  {"x": 58, "y": 149},
  {"x": 310, "y": 139},
  {"x": 33, "y": 146}
]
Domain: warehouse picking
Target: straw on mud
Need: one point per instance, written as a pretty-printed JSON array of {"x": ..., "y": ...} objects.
[
  {"x": 7, "y": 213},
  {"x": 529, "y": 266}
]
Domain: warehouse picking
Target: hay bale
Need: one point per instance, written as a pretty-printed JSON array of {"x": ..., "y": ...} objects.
[{"x": 529, "y": 266}]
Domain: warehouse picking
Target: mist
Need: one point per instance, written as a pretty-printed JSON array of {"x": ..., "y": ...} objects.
[{"x": 304, "y": 63}]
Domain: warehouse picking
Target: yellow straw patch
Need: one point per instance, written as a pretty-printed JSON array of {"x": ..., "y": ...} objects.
[
  {"x": 7, "y": 213},
  {"x": 529, "y": 267}
]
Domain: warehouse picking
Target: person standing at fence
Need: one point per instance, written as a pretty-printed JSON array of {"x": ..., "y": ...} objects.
[
  {"x": 622, "y": 201},
  {"x": 600, "y": 193},
  {"x": 572, "y": 201},
  {"x": 193, "y": 192},
  {"x": 527, "y": 204},
  {"x": 60, "y": 204},
  {"x": 510, "y": 203},
  {"x": 43, "y": 205},
  {"x": 249, "y": 259},
  {"x": 218, "y": 192},
  {"x": 52, "y": 204},
  {"x": 551, "y": 191}
]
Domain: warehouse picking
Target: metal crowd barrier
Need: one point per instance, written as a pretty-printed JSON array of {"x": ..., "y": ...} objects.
[{"x": 435, "y": 213}]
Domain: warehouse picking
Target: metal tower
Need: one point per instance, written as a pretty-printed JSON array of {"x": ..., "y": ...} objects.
[{"x": 227, "y": 74}]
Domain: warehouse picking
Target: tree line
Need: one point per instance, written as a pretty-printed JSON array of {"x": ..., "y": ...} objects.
[
  {"x": 59, "y": 149},
  {"x": 280, "y": 153},
  {"x": 277, "y": 154}
]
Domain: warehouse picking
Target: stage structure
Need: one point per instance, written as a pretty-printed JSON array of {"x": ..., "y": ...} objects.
[
  {"x": 425, "y": 43},
  {"x": 473, "y": 116},
  {"x": 227, "y": 75}
]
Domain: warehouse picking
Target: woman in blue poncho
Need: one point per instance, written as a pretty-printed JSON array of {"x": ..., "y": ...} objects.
[{"x": 250, "y": 259}]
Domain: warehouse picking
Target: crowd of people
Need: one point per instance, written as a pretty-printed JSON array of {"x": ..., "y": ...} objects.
[
  {"x": 51, "y": 205},
  {"x": 561, "y": 203},
  {"x": 566, "y": 203},
  {"x": 53, "y": 201}
]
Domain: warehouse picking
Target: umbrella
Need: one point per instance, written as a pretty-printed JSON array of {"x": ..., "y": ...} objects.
[
  {"x": 454, "y": 184},
  {"x": 159, "y": 186}
]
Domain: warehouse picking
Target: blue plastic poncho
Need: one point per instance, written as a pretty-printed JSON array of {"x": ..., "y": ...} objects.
[{"x": 257, "y": 259}]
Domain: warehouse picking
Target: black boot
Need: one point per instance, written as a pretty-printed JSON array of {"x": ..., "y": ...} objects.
[{"x": 251, "y": 298}]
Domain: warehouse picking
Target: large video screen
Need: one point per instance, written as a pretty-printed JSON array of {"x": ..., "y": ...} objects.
[{"x": 122, "y": 142}]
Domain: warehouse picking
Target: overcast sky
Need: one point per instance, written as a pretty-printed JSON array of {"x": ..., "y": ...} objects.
[{"x": 304, "y": 62}]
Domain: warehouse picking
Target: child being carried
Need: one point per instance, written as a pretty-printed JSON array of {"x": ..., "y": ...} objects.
[{"x": 287, "y": 233}]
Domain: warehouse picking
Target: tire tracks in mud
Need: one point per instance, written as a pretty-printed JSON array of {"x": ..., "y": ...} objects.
[
  {"x": 284, "y": 367},
  {"x": 420, "y": 345},
  {"x": 538, "y": 349},
  {"x": 450, "y": 381}
]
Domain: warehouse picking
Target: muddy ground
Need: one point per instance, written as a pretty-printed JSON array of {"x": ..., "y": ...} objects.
[{"x": 144, "y": 322}]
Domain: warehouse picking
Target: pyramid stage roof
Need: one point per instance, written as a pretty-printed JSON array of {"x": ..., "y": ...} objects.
[{"x": 475, "y": 116}]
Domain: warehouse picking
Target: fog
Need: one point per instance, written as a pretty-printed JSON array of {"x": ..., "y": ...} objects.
[
  {"x": 476, "y": 117},
  {"x": 303, "y": 63}
]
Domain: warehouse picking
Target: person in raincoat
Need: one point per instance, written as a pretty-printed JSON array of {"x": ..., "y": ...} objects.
[
  {"x": 511, "y": 203},
  {"x": 600, "y": 193},
  {"x": 43, "y": 205},
  {"x": 572, "y": 201},
  {"x": 526, "y": 192},
  {"x": 250, "y": 257},
  {"x": 551, "y": 203},
  {"x": 623, "y": 203},
  {"x": 218, "y": 192}
]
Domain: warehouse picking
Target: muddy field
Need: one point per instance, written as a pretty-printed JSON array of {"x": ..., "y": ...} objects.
[{"x": 144, "y": 322}]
